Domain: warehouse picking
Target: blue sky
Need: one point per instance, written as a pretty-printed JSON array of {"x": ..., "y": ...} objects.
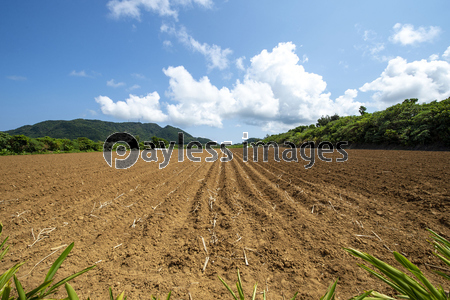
[{"x": 218, "y": 68}]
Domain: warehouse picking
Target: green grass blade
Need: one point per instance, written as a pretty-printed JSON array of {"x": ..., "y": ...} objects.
[
  {"x": 295, "y": 296},
  {"x": 4, "y": 251},
  {"x": 443, "y": 259},
  {"x": 40, "y": 288},
  {"x": 264, "y": 295},
  {"x": 381, "y": 296},
  {"x": 19, "y": 289},
  {"x": 239, "y": 286},
  {"x": 61, "y": 282},
  {"x": 8, "y": 274},
  {"x": 168, "y": 296},
  {"x": 58, "y": 263},
  {"x": 228, "y": 288},
  {"x": 362, "y": 296},
  {"x": 406, "y": 284},
  {"x": 240, "y": 292},
  {"x": 442, "y": 274},
  {"x": 379, "y": 276},
  {"x": 6, "y": 292},
  {"x": 120, "y": 297},
  {"x": 419, "y": 275},
  {"x": 71, "y": 292},
  {"x": 330, "y": 292},
  {"x": 439, "y": 238},
  {"x": 254, "y": 292},
  {"x": 111, "y": 297}
]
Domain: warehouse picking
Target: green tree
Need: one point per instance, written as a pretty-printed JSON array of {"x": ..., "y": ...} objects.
[
  {"x": 19, "y": 143},
  {"x": 362, "y": 110}
]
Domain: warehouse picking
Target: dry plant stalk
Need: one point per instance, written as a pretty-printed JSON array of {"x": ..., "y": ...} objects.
[{"x": 42, "y": 235}]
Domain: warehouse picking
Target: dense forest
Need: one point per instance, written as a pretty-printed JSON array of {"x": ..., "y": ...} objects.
[{"x": 407, "y": 124}]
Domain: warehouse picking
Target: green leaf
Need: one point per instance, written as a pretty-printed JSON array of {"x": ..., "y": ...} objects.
[
  {"x": 442, "y": 274},
  {"x": 4, "y": 251},
  {"x": 8, "y": 274},
  {"x": 228, "y": 288},
  {"x": 6, "y": 292},
  {"x": 416, "y": 272},
  {"x": 330, "y": 292},
  {"x": 120, "y": 297},
  {"x": 40, "y": 288},
  {"x": 239, "y": 286},
  {"x": 254, "y": 292},
  {"x": 63, "y": 281},
  {"x": 295, "y": 296},
  {"x": 111, "y": 297},
  {"x": 71, "y": 292},
  {"x": 19, "y": 289},
  {"x": 168, "y": 296},
  {"x": 58, "y": 263}
]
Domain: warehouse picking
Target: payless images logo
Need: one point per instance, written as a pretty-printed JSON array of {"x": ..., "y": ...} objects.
[{"x": 288, "y": 155}]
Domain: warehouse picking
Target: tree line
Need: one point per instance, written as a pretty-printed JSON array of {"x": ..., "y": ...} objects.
[
  {"x": 406, "y": 124},
  {"x": 21, "y": 144}
]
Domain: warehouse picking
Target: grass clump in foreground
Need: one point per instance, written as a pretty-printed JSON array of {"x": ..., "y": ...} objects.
[{"x": 408, "y": 287}]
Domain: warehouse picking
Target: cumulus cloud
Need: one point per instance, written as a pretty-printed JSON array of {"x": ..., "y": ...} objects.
[
  {"x": 425, "y": 80},
  {"x": 276, "y": 93},
  {"x": 199, "y": 102},
  {"x": 165, "y": 8},
  {"x": 216, "y": 57},
  {"x": 406, "y": 34},
  {"x": 113, "y": 84},
  {"x": 135, "y": 107}
]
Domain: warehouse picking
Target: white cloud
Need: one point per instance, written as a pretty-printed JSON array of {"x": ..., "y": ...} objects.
[
  {"x": 240, "y": 63},
  {"x": 369, "y": 35},
  {"x": 446, "y": 54},
  {"x": 305, "y": 59},
  {"x": 276, "y": 90},
  {"x": 167, "y": 44},
  {"x": 16, "y": 78},
  {"x": 433, "y": 57},
  {"x": 276, "y": 93},
  {"x": 139, "y": 76},
  {"x": 406, "y": 35},
  {"x": 144, "y": 107},
  {"x": 113, "y": 84},
  {"x": 132, "y": 8},
  {"x": 134, "y": 87},
  {"x": 81, "y": 73},
  {"x": 165, "y": 8},
  {"x": 425, "y": 80},
  {"x": 216, "y": 57},
  {"x": 199, "y": 102}
]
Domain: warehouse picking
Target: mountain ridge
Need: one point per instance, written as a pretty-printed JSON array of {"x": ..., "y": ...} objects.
[{"x": 98, "y": 130}]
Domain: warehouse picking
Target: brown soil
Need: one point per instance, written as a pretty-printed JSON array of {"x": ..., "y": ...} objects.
[{"x": 291, "y": 222}]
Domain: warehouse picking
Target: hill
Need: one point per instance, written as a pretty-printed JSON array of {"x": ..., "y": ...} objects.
[
  {"x": 97, "y": 130},
  {"x": 405, "y": 125}
]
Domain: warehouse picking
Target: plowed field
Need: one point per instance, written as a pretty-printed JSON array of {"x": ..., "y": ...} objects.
[{"x": 151, "y": 231}]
